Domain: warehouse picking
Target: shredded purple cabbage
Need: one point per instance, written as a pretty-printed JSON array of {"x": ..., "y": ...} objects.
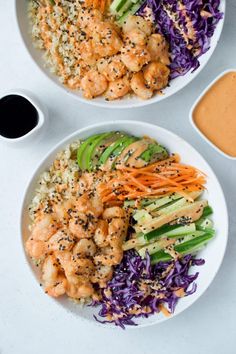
[
  {"x": 187, "y": 26},
  {"x": 138, "y": 288}
]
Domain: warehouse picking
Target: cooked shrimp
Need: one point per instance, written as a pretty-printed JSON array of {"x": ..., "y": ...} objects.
[
  {"x": 156, "y": 75},
  {"x": 112, "y": 68},
  {"x": 158, "y": 48},
  {"x": 106, "y": 41},
  {"x": 109, "y": 256},
  {"x": 35, "y": 248},
  {"x": 85, "y": 182},
  {"x": 62, "y": 240},
  {"x": 93, "y": 84},
  {"x": 88, "y": 18},
  {"x": 117, "y": 230},
  {"x": 140, "y": 87},
  {"x": 59, "y": 287},
  {"x": 136, "y": 36},
  {"x": 113, "y": 212},
  {"x": 135, "y": 57},
  {"x": 82, "y": 226},
  {"x": 89, "y": 204},
  {"x": 87, "y": 52},
  {"x": 137, "y": 22},
  {"x": 83, "y": 290},
  {"x": 117, "y": 89},
  {"x": 83, "y": 267},
  {"x": 100, "y": 236},
  {"x": 44, "y": 227},
  {"x": 102, "y": 275},
  {"x": 61, "y": 210},
  {"x": 84, "y": 247},
  {"x": 76, "y": 269},
  {"x": 54, "y": 282}
]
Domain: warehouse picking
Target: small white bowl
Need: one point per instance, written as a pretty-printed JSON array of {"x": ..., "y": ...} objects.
[
  {"x": 195, "y": 105},
  {"x": 37, "y": 131},
  {"x": 213, "y": 253}
]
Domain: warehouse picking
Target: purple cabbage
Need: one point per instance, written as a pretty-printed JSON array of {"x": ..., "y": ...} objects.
[
  {"x": 136, "y": 284},
  {"x": 187, "y": 26}
]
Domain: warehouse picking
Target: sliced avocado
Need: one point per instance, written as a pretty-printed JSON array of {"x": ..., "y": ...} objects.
[
  {"x": 91, "y": 148},
  {"x": 109, "y": 150},
  {"x": 81, "y": 150},
  {"x": 154, "y": 153},
  {"x": 102, "y": 146},
  {"x": 121, "y": 148}
]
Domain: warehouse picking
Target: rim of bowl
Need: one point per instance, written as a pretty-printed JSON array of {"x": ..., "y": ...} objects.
[
  {"x": 141, "y": 103},
  {"x": 64, "y": 141},
  {"x": 194, "y": 125}
]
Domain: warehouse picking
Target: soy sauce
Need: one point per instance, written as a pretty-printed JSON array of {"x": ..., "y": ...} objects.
[{"x": 17, "y": 116}]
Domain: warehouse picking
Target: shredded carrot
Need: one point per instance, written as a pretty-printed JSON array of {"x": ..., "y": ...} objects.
[
  {"x": 164, "y": 310},
  {"x": 158, "y": 179}
]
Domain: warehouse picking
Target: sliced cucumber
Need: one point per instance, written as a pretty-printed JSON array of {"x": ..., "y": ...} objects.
[
  {"x": 162, "y": 201},
  {"x": 116, "y": 5},
  {"x": 173, "y": 207},
  {"x": 184, "y": 248},
  {"x": 205, "y": 224},
  {"x": 130, "y": 12},
  {"x": 170, "y": 231},
  {"x": 142, "y": 216},
  {"x": 189, "y": 212},
  {"x": 153, "y": 247},
  {"x": 207, "y": 211},
  {"x": 127, "y": 5}
]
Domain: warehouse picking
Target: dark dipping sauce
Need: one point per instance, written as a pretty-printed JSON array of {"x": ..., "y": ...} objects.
[{"x": 17, "y": 116}]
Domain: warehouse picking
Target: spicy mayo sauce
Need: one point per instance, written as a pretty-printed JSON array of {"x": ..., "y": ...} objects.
[{"x": 215, "y": 114}]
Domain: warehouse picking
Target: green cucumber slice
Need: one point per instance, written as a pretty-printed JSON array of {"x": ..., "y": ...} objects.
[{"x": 184, "y": 248}]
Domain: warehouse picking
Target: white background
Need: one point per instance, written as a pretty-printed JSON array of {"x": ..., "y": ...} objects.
[{"x": 29, "y": 322}]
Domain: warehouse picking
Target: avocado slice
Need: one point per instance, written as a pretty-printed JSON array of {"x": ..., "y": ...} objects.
[
  {"x": 82, "y": 149},
  {"x": 106, "y": 145},
  {"x": 91, "y": 149},
  {"x": 154, "y": 153},
  {"x": 110, "y": 149},
  {"x": 121, "y": 148}
]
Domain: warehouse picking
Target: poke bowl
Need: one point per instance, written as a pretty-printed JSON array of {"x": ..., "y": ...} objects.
[
  {"x": 155, "y": 271},
  {"x": 141, "y": 70}
]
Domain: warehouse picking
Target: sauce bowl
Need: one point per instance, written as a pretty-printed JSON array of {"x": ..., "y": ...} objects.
[
  {"x": 195, "y": 105},
  {"x": 35, "y": 133}
]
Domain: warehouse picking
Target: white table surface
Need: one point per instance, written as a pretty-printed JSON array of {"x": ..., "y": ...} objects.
[{"x": 29, "y": 322}]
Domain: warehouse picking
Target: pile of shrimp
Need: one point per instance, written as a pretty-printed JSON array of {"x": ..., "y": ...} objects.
[
  {"x": 90, "y": 52},
  {"x": 76, "y": 241}
]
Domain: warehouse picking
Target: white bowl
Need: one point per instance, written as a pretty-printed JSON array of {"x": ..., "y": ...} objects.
[
  {"x": 195, "y": 105},
  {"x": 175, "y": 85},
  {"x": 213, "y": 253}
]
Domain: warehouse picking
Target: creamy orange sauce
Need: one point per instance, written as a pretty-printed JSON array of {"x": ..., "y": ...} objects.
[{"x": 215, "y": 114}]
